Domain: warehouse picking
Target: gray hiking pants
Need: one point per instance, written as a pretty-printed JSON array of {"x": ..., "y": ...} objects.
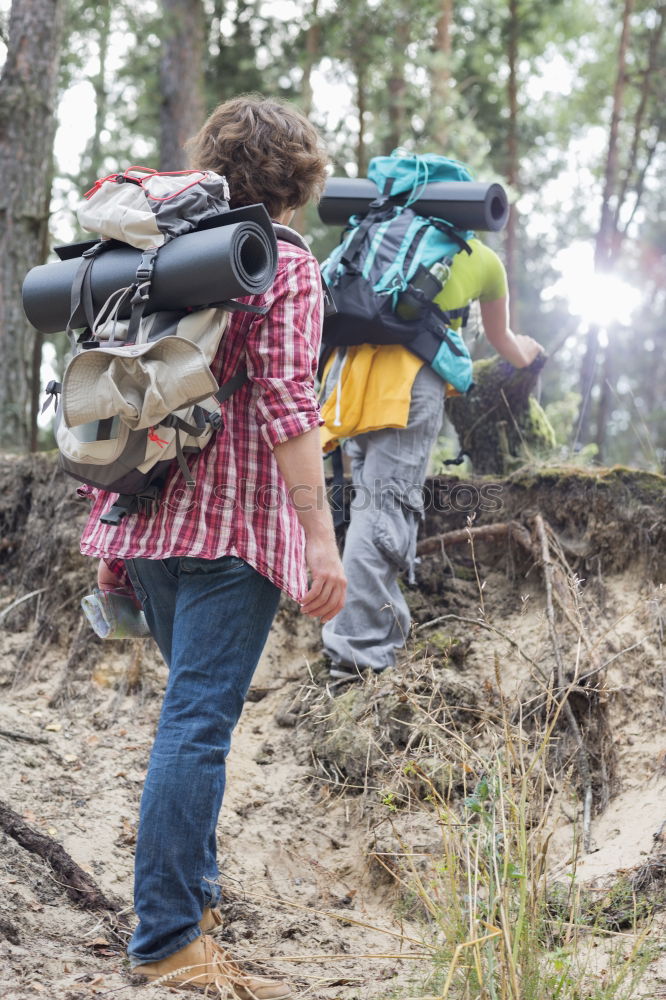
[{"x": 388, "y": 472}]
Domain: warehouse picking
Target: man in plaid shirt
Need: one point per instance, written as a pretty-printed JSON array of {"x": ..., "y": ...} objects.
[{"x": 210, "y": 564}]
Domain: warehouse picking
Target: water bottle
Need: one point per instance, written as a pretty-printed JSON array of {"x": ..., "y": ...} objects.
[{"x": 430, "y": 282}]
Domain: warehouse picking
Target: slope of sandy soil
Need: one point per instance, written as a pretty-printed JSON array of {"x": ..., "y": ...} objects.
[
  {"x": 310, "y": 823},
  {"x": 303, "y": 898},
  {"x": 293, "y": 857}
]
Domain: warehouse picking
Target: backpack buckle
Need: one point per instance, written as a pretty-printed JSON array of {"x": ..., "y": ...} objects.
[
  {"x": 215, "y": 420},
  {"x": 144, "y": 271},
  {"x": 123, "y": 506},
  {"x": 53, "y": 391},
  {"x": 146, "y": 502}
]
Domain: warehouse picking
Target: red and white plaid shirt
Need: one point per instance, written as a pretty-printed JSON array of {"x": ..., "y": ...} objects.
[{"x": 239, "y": 504}]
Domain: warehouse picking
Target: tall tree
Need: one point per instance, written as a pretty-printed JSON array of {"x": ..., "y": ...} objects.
[
  {"x": 182, "y": 65},
  {"x": 441, "y": 76},
  {"x": 310, "y": 56},
  {"x": 397, "y": 83},
  {"x": 605, "y": 240},
  {"x": 91, "y": 164},
  {"x": 27, "y": 126},
  {"x": 512, "y": 159}
]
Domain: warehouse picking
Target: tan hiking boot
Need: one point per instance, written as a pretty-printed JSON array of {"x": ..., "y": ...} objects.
[
  {"x": 202, "y": 964},
  {"x": 211, "y": 919}
]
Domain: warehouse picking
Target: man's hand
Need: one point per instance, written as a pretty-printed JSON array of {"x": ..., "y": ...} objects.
[
  {"x": 106, "y": 579},
  {"x": 328, "y": 586},
  {"x": 300, "y": 463}
]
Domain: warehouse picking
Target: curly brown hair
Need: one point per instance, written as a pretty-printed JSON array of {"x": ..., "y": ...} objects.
[{"x": 268, "y": 151}]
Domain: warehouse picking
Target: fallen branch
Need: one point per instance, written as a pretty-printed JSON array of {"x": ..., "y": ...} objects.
[
  {"x": 491, "y": 532},
  {"x": 20, "y": 600},
  {"x": 78, "y": 885},
  {"x": 22, "y": 737}
]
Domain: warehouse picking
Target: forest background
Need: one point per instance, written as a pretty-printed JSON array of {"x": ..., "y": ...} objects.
[{"x": 560, "y": 101}]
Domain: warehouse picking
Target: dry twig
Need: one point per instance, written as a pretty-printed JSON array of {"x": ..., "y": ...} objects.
[
  {"x": 563, "y": 693},
  {"x": 20, "y": 600},
  {"x": 22, "y": 737}
]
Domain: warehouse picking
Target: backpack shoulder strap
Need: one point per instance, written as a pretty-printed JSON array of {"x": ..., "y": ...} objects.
[
  {"x": 379, "y": 210},
  {"x": 290, "y": 235}
]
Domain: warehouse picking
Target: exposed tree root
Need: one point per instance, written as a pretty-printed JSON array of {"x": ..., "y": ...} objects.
[
  {"x": 78, "y": 885},
  {"x": 538, "y": 539},
  {"x": 490, "y": 532},
  {"x": 583, "y": 759}
]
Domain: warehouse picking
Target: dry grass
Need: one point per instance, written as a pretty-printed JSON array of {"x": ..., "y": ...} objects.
[{"x": 463, "y": 785}]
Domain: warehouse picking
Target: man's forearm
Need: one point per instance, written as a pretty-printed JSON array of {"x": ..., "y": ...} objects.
[{"x": 300, "y": 463}]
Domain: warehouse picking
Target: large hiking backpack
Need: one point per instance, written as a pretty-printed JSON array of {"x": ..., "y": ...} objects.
[
  {"x": 384, "y": 260},
  {"x": 138, "y": 392}
]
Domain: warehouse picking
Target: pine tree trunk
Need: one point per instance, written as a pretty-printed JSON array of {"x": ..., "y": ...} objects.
[
  {"x": 91, "y": 167},
  {"x": 588, "y": 377},
  {"x": 361, "y": 108},
  {"x": 28, "y": 87},
  {"x": 512, "y": 175},
  {"x": 441, "y": 76},
  {"x": 633, "y": 174},
  {"x": 605, "y": 239},
  {"x": 607, "y": 389},
  {"x": 312, "y": 43},
  {"x": 397, "y": 87},
  {"x": 181, "y": 79},
  {"x": 312, "y": 47}
]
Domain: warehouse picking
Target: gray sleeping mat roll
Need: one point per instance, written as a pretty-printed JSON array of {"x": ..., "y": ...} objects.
[
  {"x": 234, "y": 257},
  {"x": 465, "y": 204}
]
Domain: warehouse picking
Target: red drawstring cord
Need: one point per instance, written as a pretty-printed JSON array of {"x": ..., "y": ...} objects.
[{"x": 153, "y": 436}]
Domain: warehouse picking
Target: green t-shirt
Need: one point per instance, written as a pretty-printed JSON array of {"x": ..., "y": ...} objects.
[{"x": 479, "y": 275}]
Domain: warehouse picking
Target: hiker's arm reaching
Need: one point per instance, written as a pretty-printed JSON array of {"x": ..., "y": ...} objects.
[
  {"x": 300, "y": 464},
  {"x": 516, "y": 348}
]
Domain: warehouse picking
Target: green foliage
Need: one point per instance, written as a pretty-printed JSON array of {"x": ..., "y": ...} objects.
[
  {"x": 249, "y": 52},
  {"x": 378, "y": 62}
]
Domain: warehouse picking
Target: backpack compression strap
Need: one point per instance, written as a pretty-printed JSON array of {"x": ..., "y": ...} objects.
[
  {"x": 82, "y": 310},
  {"x": 378, "y": 208},
  {"x": 132, "y": 503}
]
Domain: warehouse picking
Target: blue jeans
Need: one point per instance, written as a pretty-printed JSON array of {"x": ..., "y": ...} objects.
[{"x": 210, "y": 619}]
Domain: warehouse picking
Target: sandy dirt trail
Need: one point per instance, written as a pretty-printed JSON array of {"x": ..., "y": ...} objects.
[{"x": 294, "y": 857}]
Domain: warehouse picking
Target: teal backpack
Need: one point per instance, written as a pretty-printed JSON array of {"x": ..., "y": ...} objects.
[{"x": 391, "y": 263}]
